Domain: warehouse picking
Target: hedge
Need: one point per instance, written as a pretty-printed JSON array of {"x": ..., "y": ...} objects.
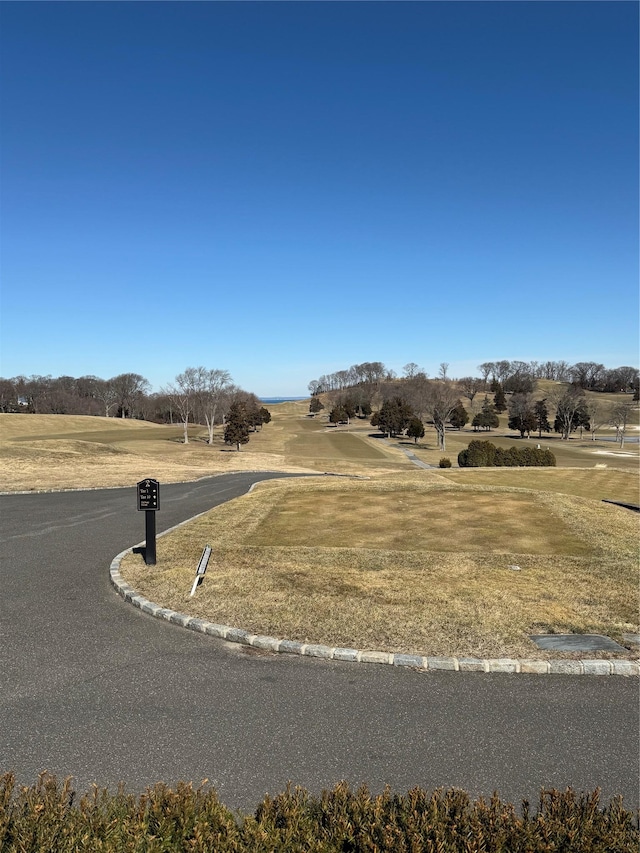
[
  {"x": 48, "y": 816},
  {"x": 484, "y": 454}
]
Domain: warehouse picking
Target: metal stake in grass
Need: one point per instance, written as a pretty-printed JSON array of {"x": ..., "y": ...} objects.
[{"x": 202, "y": 568}]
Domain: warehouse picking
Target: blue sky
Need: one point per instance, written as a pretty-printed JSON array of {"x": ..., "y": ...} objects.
[{"x": 283, "y": 190}]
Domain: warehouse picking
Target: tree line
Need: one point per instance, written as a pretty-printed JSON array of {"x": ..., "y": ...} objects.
[
  {"x": 402, "y": 406},
  {"x": 513, "y": 376},
  {"x": 198, "y": 395}
]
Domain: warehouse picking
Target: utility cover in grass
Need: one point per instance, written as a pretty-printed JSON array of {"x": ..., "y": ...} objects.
[{"x": 576, "y": 643}]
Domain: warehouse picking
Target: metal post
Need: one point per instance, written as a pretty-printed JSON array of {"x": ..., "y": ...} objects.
[
  {"x": 150, "y": 537},
  {"x": 149, "y": 501}
]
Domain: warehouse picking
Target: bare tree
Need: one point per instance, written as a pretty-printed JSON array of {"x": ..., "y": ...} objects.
[
  {"x": 570, "y": 411},
  {"x": 442, "y": 373},
  {"x": 487, "y": 368},
  {"x": 586, "y": 374},
  {"x": 503, "y": 370},
  {"x": 210, "y": 391},
  {"x": 470, "y": 385},
  {"x": 183, "y": 396},
  {"x": 410, "y": 369},
  {"x": 440, "y": 400},
  {"x": 129, "y": 387},
  {"x": 620, "y": 417},
  {"x": 107, "y": 394},
  {"x": 599, "y": 415}
]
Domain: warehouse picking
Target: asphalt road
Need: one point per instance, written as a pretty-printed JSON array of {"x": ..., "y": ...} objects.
[{"x": 93, "y": 688}]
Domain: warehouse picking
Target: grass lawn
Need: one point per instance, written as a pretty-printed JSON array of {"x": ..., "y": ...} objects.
[
  {"x": 402, "y": 559},
  {"x": 409, "y": 563}
]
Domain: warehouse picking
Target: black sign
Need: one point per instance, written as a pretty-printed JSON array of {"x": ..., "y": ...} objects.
[{"x": 148, "y": 495}]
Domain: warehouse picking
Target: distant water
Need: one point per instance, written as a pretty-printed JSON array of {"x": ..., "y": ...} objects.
[{"x": 274, "y": 400}]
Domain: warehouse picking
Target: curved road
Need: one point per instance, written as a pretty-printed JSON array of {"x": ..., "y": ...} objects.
[{"x": 93, "y": 688}]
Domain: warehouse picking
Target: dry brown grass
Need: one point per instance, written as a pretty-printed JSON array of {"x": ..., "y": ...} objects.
[
  {"x": 408, "y": 560},
  {"x": 411, "y": 563},
  {"x": 69, "y": 451},
  {"x": 575, "y": 453}
]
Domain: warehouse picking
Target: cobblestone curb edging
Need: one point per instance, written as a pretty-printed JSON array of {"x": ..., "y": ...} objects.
[{"x": 419, "y": 662}]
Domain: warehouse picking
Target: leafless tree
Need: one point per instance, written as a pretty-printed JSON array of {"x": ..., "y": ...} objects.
[
  {"x": 503, "y": 370},
  {"x": 568, "y": 405},
  {"x": 620, "y": 416},
  {"x": 410, "y": 370},
  {"x": 129, "y": 387},
  {"x": 211, "y": 386},
  {"x": 182, "y": 394},
  {"x": 107, "y": 394},
  {"x": 487, "y": 368},
  {"x": 442, "y": 372},
  {"x": 469, "y": 386},
  {"x": 439, "y": 401},
  {"x": 599, "y": 415},
  {"x": 586, "y": 374}
]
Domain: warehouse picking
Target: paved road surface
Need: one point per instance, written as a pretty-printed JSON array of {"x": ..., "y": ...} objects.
[{"x": 93, "y": 688}]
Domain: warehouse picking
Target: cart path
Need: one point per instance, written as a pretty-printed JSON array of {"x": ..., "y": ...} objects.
[{"x": 93, "y": 688}]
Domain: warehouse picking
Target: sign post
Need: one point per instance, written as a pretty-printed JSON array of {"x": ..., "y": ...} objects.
[{"x": 149, "y": 501}]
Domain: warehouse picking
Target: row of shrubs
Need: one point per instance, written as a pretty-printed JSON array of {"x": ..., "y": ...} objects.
[
  {"x": 48, "y": 817},
  {"x": 484, "y": 454}
]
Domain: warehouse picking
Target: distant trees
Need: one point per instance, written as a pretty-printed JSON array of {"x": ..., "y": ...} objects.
[
  {"x": 415, "y": 430},
  {"x": 599, "y": 414},
  {"x": 522, "y": 416},
  {"x": 440, "y": 401},
  {"x": 263, "y": 417},
  {"x": 459, "y": 416},
  {"x": 200, "y": 394},
  {"x": 571, "y": 413},
  {"x": 212, "y": 387},
  {"x": 393, "y": 417},
  {"x": 237, "y": 425},
  {"x": 620, "y": 416},
  {"x": 338, "y": 415},
  {"x": 586, "y": 374},
  {"x": 183, "y": 396},
  {"x": 129, "y": 390},
  {"x": 369, "y": 373},
  {"x": 487, "y": 417},
  {"x": 470, "y": 386},
  {"x": 315, "y": 406},
  {"x": 487, "y": 368},
  {"x": 499, "y": 399},
  {"x": 410, "y": 369},
  {"x": 542, "y": 417}
]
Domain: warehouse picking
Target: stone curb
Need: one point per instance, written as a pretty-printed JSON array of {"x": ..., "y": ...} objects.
[{"x": 417, "y": 662}]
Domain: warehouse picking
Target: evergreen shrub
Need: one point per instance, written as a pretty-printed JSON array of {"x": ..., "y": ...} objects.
[
  {"x": 445, "y": 462},
  {"x": 484, "y": 454},
  {"x": 48, "y": 817}
]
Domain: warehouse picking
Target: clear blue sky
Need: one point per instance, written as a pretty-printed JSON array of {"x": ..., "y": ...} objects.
[{"x": 282, "y": 190}]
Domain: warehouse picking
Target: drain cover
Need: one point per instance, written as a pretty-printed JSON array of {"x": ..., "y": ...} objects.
[{"x": 576, "y": 643}]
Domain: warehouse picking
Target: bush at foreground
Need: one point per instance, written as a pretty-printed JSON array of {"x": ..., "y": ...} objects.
[{"x": 48, "y": 817}]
